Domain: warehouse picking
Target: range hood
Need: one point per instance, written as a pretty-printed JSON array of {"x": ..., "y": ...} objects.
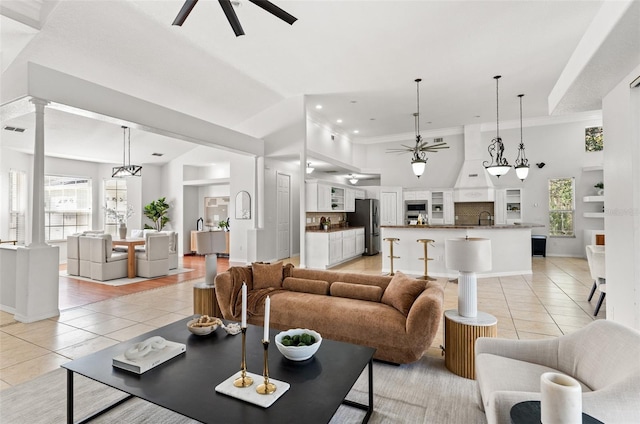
[{"x": 473, "y": 183}]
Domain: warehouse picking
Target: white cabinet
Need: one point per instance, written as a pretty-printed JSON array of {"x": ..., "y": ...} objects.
[
  {"x": 409, "y": 195},
  {"x": 359, "y": 241},
  {"x": 326, "y": 249},
  {"x": 441, "y": 207},
  {"x": 318, "y": 197},
  {"x": 594, "y": 199},
  {"x": 335, "y": 247},
  {"x": 348, "y": 244},
  {"x": 349, "y": 200},
  {"x": 360, "y": 194},
  {"x": 388, "y": 208},
  {"x": 415, "y": 195},
  {"x": 508, "y": 206}
]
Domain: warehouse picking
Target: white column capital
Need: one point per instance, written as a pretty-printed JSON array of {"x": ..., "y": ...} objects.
[{"x": 39, "y": 102}]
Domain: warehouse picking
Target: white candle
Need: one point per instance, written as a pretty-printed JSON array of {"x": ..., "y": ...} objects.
[
  {"x": 267, "y": 310},
  {"x": 244, "y": 305}
]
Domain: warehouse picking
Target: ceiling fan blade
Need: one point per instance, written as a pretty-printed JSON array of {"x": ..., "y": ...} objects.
[
  {"x": 227, "y": 8},
  {"x": 275, "y": 11},
  {"x": 184, "y": 12}
]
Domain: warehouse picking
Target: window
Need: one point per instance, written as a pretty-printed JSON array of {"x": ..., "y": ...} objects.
[
  {"x": 115, "y": 203},
  {"x": 17, "y": 205},
  {"x": 561, "y": 207},
  {"x": 593, "y": 140},
  {"x": 67, "y": 206}
]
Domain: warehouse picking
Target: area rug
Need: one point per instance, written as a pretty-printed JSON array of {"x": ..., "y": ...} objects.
[
  {"x": 424, "y": 392},
  {"x": 122, "y": 281}
]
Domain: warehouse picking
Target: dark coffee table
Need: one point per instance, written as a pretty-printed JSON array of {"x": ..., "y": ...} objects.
[
  {"x": 528, "y": 412},
  {"x": 186, "y": 384}
]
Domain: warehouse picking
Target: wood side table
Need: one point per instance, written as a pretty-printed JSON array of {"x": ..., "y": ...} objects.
[
  {"x": 460, "y": 334},
  {"x": 204, "y": 300},
  {"x": 131, "y": 252}
]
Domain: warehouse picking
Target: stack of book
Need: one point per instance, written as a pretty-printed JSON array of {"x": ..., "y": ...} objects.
[{"x": 152, "y": 359}]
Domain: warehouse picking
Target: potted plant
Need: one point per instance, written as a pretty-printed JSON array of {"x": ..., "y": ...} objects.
[
  {"x": 600, "y": 187},
  {"x": 224, "y": 225},
  {"x": 157, "y": 212}
]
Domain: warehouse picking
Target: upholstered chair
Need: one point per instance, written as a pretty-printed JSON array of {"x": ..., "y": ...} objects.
[
  {"x": 73, "y": 254},
  {"x": 84, "y": 255},
  {"x": 173, "y": 248},
  {"x": 154, "y": 260},
  {"x": 105, "y": 263}
]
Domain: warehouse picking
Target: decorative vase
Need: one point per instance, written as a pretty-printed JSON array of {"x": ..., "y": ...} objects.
[
  {"x": 560, "y": 399},
  {"x": 122, "y": 231},
  {"x": 600, "y": 192}
]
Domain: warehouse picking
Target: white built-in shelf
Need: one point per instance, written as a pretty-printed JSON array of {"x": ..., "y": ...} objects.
[
  {"x": 592, "y": 168},
  {"x": 593, "y": 199},
  {"x": 593, "y": 215}
]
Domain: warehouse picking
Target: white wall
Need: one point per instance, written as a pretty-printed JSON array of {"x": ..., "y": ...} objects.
[
  {"x": 319, "y": 141},
  {"x": 621, "y": 116}
]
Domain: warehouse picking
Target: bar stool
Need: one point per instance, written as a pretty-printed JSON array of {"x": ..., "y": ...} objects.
[
  {"x": 392, "y": 240},
  {"x": 426, "y": 259}
]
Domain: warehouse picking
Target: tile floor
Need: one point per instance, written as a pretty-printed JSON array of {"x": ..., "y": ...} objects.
[{"x": 550, "y": 302}]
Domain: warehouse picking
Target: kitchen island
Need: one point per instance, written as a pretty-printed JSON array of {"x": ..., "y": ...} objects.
[
  {"x": 328, "y": 248},
  {"x": 510, "y": 248}
]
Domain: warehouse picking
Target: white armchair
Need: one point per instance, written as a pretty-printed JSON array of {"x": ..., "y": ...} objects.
[
  {"x": 105, "y": 263},
  {"x": 173, "y": 248},
  {"x": 603, "y": 357},
  {"x": 154, "y": 260},
  {"x": 84, "y": 255},
  {"x": 73, "y": 254}
]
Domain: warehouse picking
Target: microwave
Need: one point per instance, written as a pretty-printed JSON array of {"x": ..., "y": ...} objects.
[{"x": 416, "y": 207}]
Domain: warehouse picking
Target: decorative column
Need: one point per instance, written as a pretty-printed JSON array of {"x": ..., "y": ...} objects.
[
  {"x": 468, "y": 256},
  {"x": 37, "y": 213},
  {"x": 37, "y": 282}
]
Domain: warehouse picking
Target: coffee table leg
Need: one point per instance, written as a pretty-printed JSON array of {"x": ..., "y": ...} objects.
[
  {"x": 367, "y": 408},
  {"x": 69, "y": 397}
]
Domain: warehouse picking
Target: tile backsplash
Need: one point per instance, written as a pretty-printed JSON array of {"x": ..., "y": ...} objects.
[
  {"x": 338, "y": 219},
  {"x": 467, "y": 213}
]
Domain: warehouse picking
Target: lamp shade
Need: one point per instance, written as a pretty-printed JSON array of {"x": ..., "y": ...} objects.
[
  {"x": 418, "y": 166},
  {"x": 468, "y": 254},
  {"x": 498, "y": 170},
  {"x": 522, "y": 172},
  {"x": 209, "y": 242}
]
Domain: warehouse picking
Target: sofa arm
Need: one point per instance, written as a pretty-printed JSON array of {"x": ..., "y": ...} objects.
[
  {"x": 423, "y": 320},
  {"x": 224, "y": 295},
  {"x": 541, "y": 352}
]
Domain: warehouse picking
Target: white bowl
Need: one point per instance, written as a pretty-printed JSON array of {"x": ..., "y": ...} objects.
[
  {"x": 201, "y": 331},
  {"x": 298, "y": 353}
]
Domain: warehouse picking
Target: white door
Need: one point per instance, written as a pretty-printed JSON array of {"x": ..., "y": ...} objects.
[{"x": 284, "y": 208}]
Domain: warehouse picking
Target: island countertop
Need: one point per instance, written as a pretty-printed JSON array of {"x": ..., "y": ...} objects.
[
  {"x": 467, "y": 227},
  {"x": 331, "y": 230}
]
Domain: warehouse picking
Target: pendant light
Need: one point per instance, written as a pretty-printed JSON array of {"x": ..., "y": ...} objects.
[
  {"x": 353, "y": 180},
  {"x": 522, "y": 163},
  {"x": 419, "y": 160},
  {"x": 126, "y": 170},
  {"x": 499, "y": 165},
  {"x": 309, "y": 168}
]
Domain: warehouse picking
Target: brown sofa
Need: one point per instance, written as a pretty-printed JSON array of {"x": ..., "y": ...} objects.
[{"x": 397, "y": 316}]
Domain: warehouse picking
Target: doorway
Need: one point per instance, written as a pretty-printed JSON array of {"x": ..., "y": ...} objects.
[{"x": 283, "y": 241}]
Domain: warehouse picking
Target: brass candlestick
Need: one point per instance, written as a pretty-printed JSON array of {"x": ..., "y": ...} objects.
[
  {"x": 244, "y": 380},
  {"x": 267, "y": 387}
]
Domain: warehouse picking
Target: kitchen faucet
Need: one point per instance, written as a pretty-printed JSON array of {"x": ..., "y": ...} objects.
[{"x": 480, "y": 217}]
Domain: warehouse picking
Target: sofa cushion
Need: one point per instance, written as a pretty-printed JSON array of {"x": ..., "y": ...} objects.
[
  {"x": 356, "y": 291},
  {"x": 402, "y": 291},
  {"x": 267, "y": 275},
  {"x": 306, "y": 286}
]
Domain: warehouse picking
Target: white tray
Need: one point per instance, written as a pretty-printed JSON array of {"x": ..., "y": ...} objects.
[{"x": 249, "y": 394}]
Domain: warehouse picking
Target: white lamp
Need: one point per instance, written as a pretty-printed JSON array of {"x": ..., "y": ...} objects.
[
  {"x": 468, "y": 256},
  {"x": 210, "y": 243}
]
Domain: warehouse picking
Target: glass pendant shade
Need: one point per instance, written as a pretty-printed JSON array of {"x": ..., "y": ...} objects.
[
  {"x": 353, "y": 180},
  {"x": 418, "y": 166},
  {"x": 522, "y": 172},
  {"x": 498, "y": 165},
  {"x": 498, "y": 170}
]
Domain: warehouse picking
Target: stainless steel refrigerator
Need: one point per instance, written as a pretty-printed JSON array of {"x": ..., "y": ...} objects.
[{"x": 367, "y": 215}]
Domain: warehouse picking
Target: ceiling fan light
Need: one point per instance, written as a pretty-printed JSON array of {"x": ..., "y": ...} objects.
[
  {"x": 353, "y": 180},
  {"x": 309, "y": 168},
  {"x": 522, "y": 172},
  {"x": 498, "y": 170},
  {"x": 418, "y": 166}
]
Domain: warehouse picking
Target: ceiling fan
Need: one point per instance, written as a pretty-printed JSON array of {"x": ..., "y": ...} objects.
[{"x": 227, "y": 8}]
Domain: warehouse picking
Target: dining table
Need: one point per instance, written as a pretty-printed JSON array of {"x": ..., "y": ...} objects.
[{"x": 131, "y": 244}]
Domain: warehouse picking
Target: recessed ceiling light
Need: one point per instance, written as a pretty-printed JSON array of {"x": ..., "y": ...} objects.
[
  {"x": 356, "y": 131},
  {"x": 318, "y": 106},
  {"x": 372, "y": 119},
  {"x": 339, "y": 121},
  {"x": 354, "y": 101}
]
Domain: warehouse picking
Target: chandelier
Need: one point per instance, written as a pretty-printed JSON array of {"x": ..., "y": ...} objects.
[
  {"x": 522, "y": 163},
  {"x": 126, "y": 170},
  {"x": 499, "y": 165},
  {"x": 419, "y": 151}
]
